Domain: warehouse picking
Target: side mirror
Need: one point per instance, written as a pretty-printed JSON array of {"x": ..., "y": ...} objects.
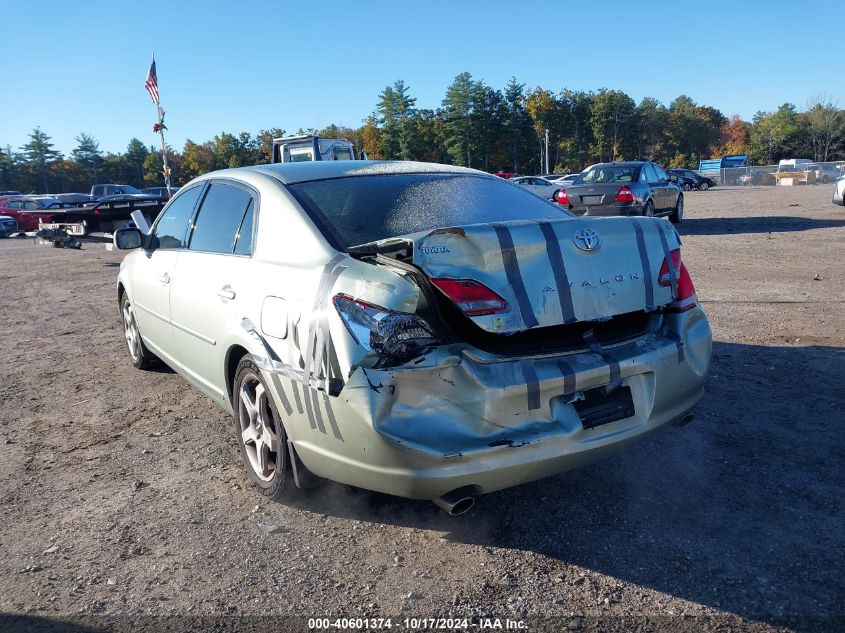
[
  {"x": 364, "y": 156},
  {"x": 127, "y": 239}
]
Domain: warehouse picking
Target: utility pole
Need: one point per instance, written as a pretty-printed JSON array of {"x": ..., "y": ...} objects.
[{"x": 547, "y": 152}]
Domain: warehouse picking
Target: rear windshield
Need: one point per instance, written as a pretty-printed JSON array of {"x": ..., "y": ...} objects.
[
  {"x": 607, "y": 173},
  {"x": 361, "y": 209}
]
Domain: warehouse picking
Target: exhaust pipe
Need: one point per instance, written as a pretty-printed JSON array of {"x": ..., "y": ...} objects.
[
  {"x": 685, "y": 420},
  {"x": 456, "y": 502}
]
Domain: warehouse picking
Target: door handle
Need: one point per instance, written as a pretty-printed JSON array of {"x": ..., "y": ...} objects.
[
  {"x": 165, "y": 278},
  {"x": 225, "y": 293}
]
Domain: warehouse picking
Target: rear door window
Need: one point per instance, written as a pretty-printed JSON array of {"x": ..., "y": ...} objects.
[
  {"x": 219, "y": 218},
  {"x": 172, "y": 227}
]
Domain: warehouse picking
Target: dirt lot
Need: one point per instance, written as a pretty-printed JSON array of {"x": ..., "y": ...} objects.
[{"x": 122, "y": 494}]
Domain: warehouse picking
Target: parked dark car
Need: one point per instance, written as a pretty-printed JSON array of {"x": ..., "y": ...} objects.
[
  {"x": 692, "y": 180},
  {"x": 161, "y": 192},
  {"x": 8, "y": 226},
  {"x": 627, "y": 188}
]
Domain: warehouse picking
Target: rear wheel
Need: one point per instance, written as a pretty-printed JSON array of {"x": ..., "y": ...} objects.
[
  {"x": 141, "y": 357},
  {"x": 648, "y": 209},
  {"x": 704, "y": 186},
  {"x": 260, "y": 432},
  {"x": 678, "y": 212}
]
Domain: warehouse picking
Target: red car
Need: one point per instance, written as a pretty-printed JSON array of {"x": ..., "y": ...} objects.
[{"x": 28, "y": 211}]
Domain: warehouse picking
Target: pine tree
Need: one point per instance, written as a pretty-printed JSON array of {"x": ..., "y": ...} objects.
[
  {"x": 39, "y": 155},
  {"x": 88, "y": 155},
  {"x": 458, "y": 109}
]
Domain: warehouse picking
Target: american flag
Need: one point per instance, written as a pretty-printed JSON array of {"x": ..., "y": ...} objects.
[{"x": 152, "y": 82}]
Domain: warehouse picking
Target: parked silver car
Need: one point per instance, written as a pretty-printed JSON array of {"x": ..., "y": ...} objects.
[
  {"x": 839, "y": 191},
  {"x": 421, "y": 330},
  {"x": 535, "y": 184}
]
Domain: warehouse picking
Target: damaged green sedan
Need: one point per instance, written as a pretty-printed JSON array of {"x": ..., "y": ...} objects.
[{"x": 421, "y": 330}]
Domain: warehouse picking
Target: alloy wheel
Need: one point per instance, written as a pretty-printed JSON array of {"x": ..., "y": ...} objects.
[
  {"x": 259, "y": 430},
  {"x": 130, "y": 331}
]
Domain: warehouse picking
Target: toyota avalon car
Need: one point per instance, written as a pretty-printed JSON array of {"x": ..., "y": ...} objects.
[{"x": 421, "y": 330}]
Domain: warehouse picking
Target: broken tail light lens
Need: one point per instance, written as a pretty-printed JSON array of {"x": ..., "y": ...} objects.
[
  {"x": 397, "y": 336},
  {"x": 685, "y": 298},
  {"x": 625, "y": 194},
  {"x": 563, "y": 198},
  {"x": 472, "y": 297}
]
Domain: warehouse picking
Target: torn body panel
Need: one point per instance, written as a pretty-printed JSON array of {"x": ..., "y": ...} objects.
[{"x": 459, "y": 417}]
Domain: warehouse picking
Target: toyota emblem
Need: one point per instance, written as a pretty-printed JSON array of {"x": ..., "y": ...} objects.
[{"x": 586, "y": 239}]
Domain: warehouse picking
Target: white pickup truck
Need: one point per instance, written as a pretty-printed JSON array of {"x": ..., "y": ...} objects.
[{"x": 310, "y": 147}]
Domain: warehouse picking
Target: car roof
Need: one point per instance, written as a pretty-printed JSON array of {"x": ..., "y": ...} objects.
[
  {"x": 623, "y": 163},
  {"x": 291, "y": 173}
]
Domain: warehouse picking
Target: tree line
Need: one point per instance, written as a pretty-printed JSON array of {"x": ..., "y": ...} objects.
[{"x": 477, "y": 126}]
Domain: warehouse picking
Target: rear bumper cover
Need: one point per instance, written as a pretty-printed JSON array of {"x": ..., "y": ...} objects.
[
  {"x": 458, "y": 417},
  {"x": 624, "y": 208}
]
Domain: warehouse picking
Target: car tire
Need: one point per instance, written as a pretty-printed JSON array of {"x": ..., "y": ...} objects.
[
  {"x": 260, "y": 432},
  {"x": 703, "y": 186},
  {"x": 825, "y": 180},
  {"x": 141, "y": 357},
  {"x": 554, "y": 195},
  {"x": 678, "y": 212},
  {"x": 648, "y": 209},
  {"x": 687, "y": 186}
]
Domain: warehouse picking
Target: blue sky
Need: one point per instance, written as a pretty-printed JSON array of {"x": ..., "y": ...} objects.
[{"x": 240, "y": 66}]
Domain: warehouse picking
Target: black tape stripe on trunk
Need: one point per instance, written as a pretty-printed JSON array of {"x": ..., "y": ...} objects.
[
  {"x": 673, "y": 273},
  {"x": 532, "y": 382},
  {"x": 559, "y": 270},
  {"x": 514, "y": 276},
  {"x": 282, "y": 395},
  {"x": 332, "y": 420},
  {"x": 569, "y": 382},
  {"x": 646, "y": 266}
]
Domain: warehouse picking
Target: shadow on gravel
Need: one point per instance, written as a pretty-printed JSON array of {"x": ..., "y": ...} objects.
[
  {"x": 741, "y": 510},
  {"x": 761, "y": 224},
  {"x": 35, "y": 624}
]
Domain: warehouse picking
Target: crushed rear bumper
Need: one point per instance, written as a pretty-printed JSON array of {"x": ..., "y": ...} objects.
[{"x": 459, "y": 417}]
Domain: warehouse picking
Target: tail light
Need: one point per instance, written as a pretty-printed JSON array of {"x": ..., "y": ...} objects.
[
  {"x": 395, "y": 336},
  {"x": 684, "y": 297},
  {"x": 625, "y": 194},
  {"x": 473, "y": 297},
  {"x": 563, "y": 198}
]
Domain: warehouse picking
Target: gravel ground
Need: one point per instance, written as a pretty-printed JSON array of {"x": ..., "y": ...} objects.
[{"x": 122, "y": 495}]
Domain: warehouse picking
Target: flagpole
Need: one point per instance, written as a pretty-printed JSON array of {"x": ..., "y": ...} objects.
[
  {"x": 152, "y": 87},
  {"x": 165, "y": 168}
]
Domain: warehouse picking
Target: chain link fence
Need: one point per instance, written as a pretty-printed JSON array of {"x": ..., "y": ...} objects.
[{"x": 772, "y": 175}]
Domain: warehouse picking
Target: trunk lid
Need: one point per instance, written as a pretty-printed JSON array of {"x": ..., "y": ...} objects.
[{"x": 557, "y": 271}]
